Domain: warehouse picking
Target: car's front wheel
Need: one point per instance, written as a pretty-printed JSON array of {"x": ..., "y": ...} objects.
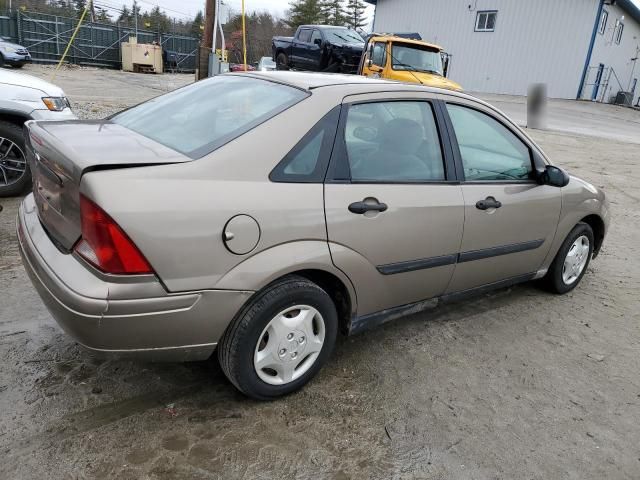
[
  {"x": 14, "y": 169},
  {"x": 572, "y": 260},
  {"x": 280, "y": 340}
]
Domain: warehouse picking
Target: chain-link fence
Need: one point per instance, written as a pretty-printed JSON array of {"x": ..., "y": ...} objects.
[{"x": 97, "y": 44}]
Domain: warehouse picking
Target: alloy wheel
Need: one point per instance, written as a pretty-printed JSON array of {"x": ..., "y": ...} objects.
[
  {"x": 13, "y": 163},
  {"x": 289, "y": 345}
]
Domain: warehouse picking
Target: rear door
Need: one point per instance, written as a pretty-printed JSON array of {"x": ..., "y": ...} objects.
[
  {"x": 299, "y": 49},
  {"x": 393, "y": 208},
  {"x": 314, "y": 50},
  {"x": 510, "y": 219}
]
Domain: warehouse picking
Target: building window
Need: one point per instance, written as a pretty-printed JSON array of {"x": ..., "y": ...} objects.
[
  {"x": 486, "y": 21},
  {"x": 603, "y": 22},
  {"x": 618, "y": 34}
]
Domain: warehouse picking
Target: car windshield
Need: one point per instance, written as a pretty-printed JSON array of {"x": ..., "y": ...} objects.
[
  {"x": 342, "y": 35},
  {"x": 415, "y": 58},
  {"x": 197, "y": 119}
]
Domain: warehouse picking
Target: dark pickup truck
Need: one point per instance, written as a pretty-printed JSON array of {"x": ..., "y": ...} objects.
[{"x": 319, "y": 48}]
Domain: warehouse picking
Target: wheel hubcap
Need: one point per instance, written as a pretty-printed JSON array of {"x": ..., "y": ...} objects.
[
  {"x": 576, "y": 260},
  {"x": 13, "y": 163},
  {"x": 289, "y": 345}
]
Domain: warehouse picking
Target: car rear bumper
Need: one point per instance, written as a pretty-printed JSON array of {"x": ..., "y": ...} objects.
[{"x": 132, "y": 316}]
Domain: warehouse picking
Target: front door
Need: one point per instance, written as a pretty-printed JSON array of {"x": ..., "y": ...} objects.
[
  {"x": 375, "y": 60},
  {"x": 394, "y": 214},
  {"x": 510, "y": 219},
  {"x": 596, "y": 84}
]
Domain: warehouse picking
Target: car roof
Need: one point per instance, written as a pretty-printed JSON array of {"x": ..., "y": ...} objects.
[
  {"x": 381, "y": 37},
  {"x": 314, "y": 80},
  {"x": 321, "y": 27}
]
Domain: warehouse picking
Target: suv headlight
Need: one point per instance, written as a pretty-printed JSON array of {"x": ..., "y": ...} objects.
[
  {"x": 56, "y": 104},
  {"x": 8, "y": 49}
]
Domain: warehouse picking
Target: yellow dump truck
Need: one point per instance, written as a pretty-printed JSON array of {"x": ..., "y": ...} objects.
[{"x": 407, "y": 60}]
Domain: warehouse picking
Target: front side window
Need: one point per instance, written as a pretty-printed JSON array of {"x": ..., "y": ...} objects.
[
  {"x": 603, "y": 22},
  {"x": 197, "y": 119},
  {"x": 486, "y": 21},
  {"x": 393, "y": 142},
  {"x": 416, "y": 59},
  {"x": 378, "y": 56},
  {"x": 316, "y": 37},
  {"x": 489, "y": 150}
]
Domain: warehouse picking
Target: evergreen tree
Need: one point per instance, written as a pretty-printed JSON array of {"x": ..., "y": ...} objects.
[
  {"x": 102, "y": 15},
  {"x": 196, "y": 24},
  {"x": 304, "y": 12},
  {"x": 355, "y": 14},
  {"x": 79, "y": 6},
  {"x": 333, "y": 12},
  {"x": 126, "y": 16}
]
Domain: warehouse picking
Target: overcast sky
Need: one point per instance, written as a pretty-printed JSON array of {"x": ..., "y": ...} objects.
[{"x": 190, "y": 7}]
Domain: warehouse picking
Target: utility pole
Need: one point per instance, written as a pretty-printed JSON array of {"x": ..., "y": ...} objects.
[
  {"x": 206, "y": 44},
  {"x": 135, "y": 17}
]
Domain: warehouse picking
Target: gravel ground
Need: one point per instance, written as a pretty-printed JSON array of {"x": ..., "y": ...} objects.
[{"x": 518, "y": 384}]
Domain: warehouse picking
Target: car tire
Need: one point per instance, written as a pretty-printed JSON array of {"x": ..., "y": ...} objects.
[
  {"x": 282, "y": 61},
  {"x": 1, "y": 61},
  {"x": 257, "y": 337},
  {"x": 18, "y": 65},
  {"x": 13, "y": 133},
  {"x": 571, "y": 261}
]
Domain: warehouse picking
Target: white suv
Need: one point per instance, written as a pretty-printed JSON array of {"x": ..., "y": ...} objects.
[{"x": 24, "y": 97}]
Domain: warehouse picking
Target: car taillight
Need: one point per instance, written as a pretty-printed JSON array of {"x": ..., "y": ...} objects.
[{"x": 105, "y": 245}]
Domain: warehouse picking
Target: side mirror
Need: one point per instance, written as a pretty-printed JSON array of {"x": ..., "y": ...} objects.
[
  {"x": 318, "y": 41},
  {"x": 554, "y": 176}
]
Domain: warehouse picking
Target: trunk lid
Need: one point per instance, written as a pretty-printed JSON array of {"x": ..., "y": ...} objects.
[{"x": 59, "y": 153}]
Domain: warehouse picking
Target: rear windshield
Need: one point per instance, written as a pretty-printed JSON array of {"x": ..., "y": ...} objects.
[{"x": 197, "y": 119}]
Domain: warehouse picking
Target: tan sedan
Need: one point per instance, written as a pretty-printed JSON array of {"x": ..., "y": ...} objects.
[{"x": 261, "y": 214}]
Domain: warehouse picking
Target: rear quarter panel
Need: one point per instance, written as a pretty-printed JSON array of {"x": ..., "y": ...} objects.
[{"x": 176, "y": 213}]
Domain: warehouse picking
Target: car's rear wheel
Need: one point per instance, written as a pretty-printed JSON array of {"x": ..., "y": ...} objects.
[
  {"x": 282, "y": 61},
  {"x": 14, "y": 169},
  {"x": 572, "y": 260},
  {"x": 280, "y": 340}
]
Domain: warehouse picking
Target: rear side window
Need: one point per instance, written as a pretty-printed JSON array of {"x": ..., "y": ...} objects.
[
  {"x": 305, "y": 35},
  {"x": 200, "y": 118},
  {"x": 307, "y": 161},
  {"x": 489, "y": 150}
]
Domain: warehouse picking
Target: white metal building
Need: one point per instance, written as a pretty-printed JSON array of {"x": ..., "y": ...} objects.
[{"x": 579, "y": 48}]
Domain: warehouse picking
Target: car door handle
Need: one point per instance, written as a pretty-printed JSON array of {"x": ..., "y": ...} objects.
[
  {"x": 362, "y": 207},
  {"x": 488, "y": 203}
]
